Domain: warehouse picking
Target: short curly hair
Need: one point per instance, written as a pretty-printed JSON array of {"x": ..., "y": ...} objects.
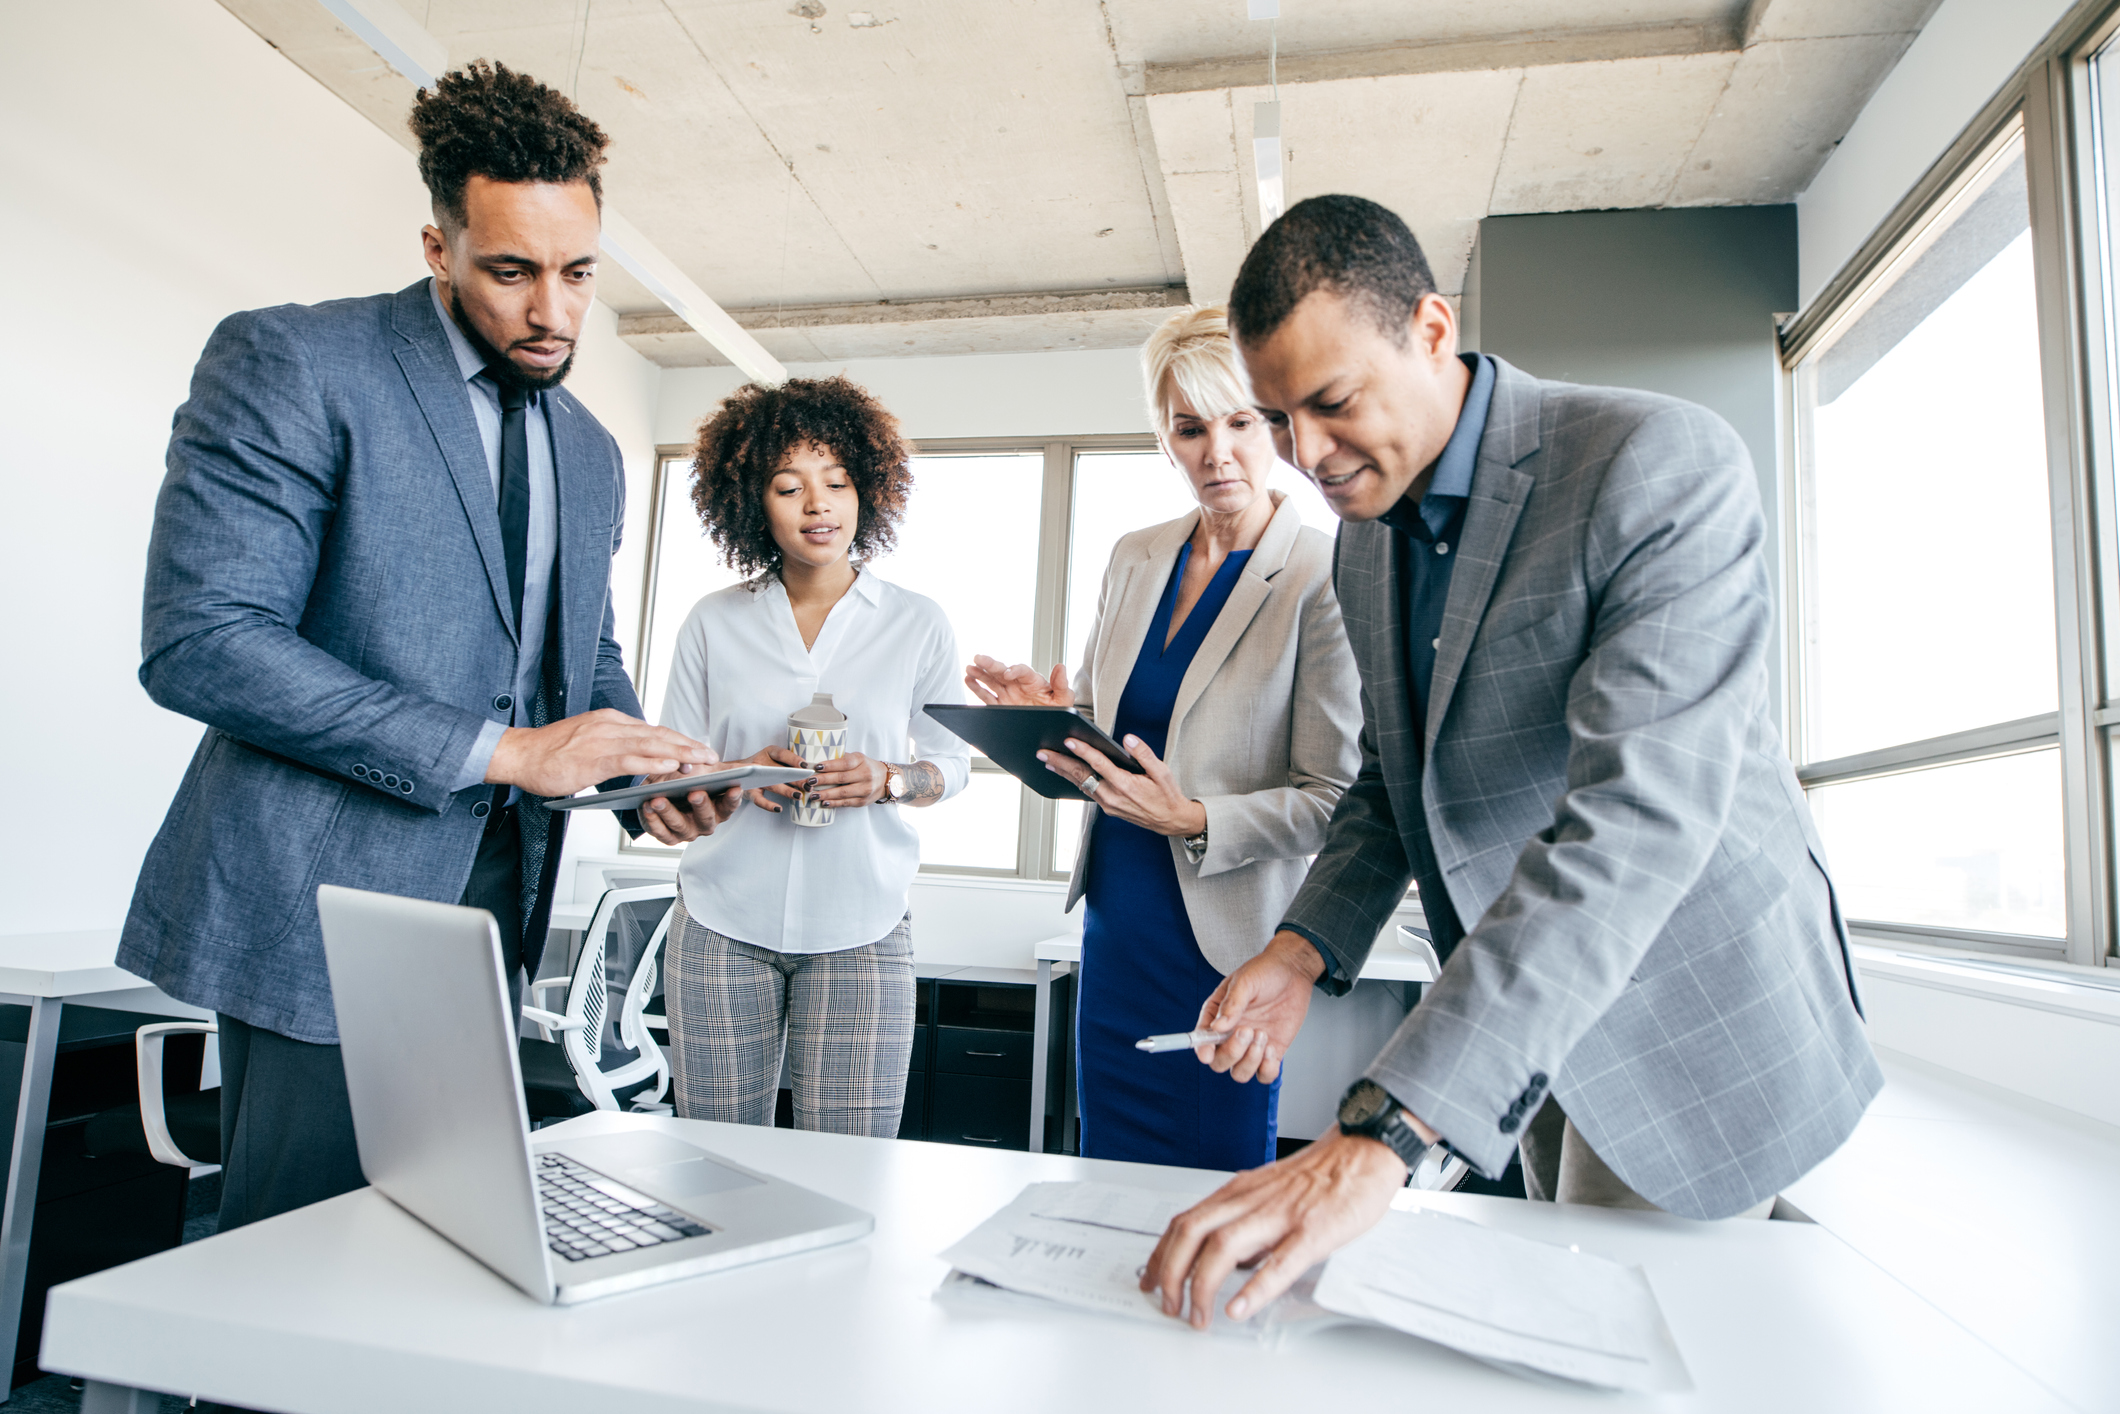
[
  {"x": 742, "y": 443},
  {"x": 487, "y": 120}
]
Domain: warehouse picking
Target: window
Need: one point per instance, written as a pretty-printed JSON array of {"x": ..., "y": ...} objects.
[{"x": 1930, "y": 688}]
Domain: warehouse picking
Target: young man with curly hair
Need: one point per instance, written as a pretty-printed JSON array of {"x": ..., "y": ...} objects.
[
  {"x": 380, "y": 576},
  {"x": 793, "y": 939}
]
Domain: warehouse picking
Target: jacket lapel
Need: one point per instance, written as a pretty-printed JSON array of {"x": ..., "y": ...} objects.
[
  {"x": 1132, "y": 608},
  {"x": 582, "y": 473},
  {"x": 1246, "y": 597},
  {"x": 430, "y": 368},
  {"x": 1498, "y": 494}
]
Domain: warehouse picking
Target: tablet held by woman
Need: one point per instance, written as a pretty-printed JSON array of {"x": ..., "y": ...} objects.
[
  {"x": 1217, "y": 660},
  {"x": 788, "y": 939}
]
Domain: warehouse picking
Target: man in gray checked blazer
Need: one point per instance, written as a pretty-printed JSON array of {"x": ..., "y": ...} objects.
[
  {"x": 1558, "y": 602},
  {"x": 380, "y": 574}
]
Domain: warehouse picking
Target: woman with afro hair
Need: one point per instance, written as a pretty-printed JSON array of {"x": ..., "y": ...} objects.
[{"x": 785, "y": 937}]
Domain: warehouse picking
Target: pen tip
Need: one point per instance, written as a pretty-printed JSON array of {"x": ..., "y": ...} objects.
[{"x": 1144, "y": 1045}]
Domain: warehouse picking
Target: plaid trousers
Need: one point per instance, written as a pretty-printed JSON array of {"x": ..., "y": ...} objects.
[{"x": 843, "y": 1019}]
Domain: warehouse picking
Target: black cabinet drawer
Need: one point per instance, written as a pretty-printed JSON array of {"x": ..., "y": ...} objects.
[
  {"x": 912, "y": 1120},
  {"x": 918, "y": 1064},
  {"x": 978, "y": 1050},
  {"x": 980, "y": 1110}
]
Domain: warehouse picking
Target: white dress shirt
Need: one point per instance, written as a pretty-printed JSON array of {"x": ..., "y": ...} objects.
[{"x": 739, "y": 669}]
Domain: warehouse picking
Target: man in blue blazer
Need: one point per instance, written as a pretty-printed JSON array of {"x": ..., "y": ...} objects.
[{"x": 380, "y": 574}]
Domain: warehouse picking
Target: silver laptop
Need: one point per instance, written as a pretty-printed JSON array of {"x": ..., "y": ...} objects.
[{"x": 438, "y": 1111}]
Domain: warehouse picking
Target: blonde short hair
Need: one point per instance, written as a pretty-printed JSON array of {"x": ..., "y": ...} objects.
[{"x": 1191, "y": 354}]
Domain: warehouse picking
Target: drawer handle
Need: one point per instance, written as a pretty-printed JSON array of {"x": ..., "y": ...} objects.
[
  {"x": 979, "y": 1139},
  {"x": 991, "y": 1055}
]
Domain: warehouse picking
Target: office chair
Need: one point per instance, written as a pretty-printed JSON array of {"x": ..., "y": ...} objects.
[
  {"x": 604, "y": 1057},
  {"x": 169, "y": 1130}
]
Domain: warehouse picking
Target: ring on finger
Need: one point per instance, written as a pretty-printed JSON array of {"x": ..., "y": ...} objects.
[{"x": 1090, "y": 784}]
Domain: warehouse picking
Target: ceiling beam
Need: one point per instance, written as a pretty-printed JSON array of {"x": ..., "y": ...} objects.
[
  {"x": 1508, "y": 51},
  {"x": 1008, "y": 323},
  {"x": 402, "y": 43}
]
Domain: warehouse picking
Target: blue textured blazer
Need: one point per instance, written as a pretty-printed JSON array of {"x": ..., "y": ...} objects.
[{"x": 327, "y": 592}]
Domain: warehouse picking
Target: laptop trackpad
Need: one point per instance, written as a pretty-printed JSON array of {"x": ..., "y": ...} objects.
[{"x": 658, "y": 1165}]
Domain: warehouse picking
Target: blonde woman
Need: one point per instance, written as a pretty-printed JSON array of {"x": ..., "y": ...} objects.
[{"x": 1217, "y": 659}]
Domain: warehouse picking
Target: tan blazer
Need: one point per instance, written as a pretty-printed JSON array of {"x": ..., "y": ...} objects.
[{"x": 1264, "y": 732}]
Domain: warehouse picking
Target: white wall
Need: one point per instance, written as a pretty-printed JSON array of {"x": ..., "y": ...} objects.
[
  {"x": 1968, "y": 49},
  {"x": 166, "y": 168},
  {"x": 1074, "y": 394}
]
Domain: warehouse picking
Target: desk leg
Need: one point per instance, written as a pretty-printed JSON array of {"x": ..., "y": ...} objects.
[
  {"x": 100, "y": 1398},
  {"x": 1041, "y": 1038},
  {"x": 19, "y": 1212}
]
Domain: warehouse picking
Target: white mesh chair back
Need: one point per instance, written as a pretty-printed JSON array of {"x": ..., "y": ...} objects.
[{"x": 614, "y": 978}]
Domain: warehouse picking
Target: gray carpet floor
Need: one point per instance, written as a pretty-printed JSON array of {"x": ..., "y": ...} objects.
[{"x": 56, "y": 1394}]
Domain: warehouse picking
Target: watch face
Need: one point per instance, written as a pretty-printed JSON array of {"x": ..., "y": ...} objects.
[{"x": 1365, "y": 1104}]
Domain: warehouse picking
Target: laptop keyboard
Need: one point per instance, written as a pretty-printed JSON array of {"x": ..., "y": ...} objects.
[{"x": 589, "y": 1215}]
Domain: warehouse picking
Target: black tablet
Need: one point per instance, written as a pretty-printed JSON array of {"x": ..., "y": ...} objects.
[
  {"x": 633, "y": 797},
  {"x": 1012, "y": 737}
]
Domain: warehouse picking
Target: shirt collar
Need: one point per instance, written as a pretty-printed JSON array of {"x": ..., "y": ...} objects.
[
  {"x": 1452, "y": 482},
  {"x": 866, "y": 585},
  {"x": 468, "y": 362}
]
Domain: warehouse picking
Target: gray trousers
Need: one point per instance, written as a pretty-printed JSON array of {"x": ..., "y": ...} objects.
[
  {"x": 843, "y": 1020},
  {"x": 1561, "y": 1167}
]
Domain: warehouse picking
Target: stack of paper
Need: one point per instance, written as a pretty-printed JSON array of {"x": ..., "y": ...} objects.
[
  {"x": 1085, "y": 1245},
  {"x": 1507, "y": 1300},
  {"x": 1528, "y": 1307}
]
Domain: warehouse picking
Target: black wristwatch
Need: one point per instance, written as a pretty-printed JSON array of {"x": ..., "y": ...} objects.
[{"x": 1367, "y": 1109}]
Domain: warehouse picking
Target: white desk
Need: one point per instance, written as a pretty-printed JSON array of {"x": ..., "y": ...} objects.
[
  {"x": 1388, "y": 962},
  {"x": 351, "y": 1306},
  {"x": 47, "y": 970}
]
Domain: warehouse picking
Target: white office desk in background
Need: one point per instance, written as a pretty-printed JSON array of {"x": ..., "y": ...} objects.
[
  {"x": 351, "y": 1306},
  {"x": 46, "y": 971}
]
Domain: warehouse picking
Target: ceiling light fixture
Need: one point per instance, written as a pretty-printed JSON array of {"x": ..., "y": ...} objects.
[
  {"x": 406, "y": 46},
  {"x": 1266, "y": 121}
]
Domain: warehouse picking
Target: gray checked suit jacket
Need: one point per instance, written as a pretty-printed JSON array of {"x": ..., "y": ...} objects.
[
  {"x": 327, "y": 591},
  {"x": 1651, "y": 932}
]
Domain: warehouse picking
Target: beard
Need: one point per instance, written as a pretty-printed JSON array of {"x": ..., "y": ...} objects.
[{"x": 503, "y": 368}]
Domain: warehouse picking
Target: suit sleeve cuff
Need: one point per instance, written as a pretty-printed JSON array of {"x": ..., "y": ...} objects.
[
  {"x": 1334, "y": 979},
  {"x": 480, "y": 757}
]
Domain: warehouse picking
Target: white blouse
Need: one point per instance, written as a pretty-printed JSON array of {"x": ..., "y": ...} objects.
[{"x": 738, "y": 671}]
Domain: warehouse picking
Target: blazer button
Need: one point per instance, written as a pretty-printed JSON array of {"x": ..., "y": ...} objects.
[
  {"x": 1538, "y": 1082},
  {"x": 480, "y": 810},
  {"x": 503, "y": 703},
  {"x": 390, "y": 782},
  {"x": 1510, "y": 1122},
  {"x": 405, "y": 786},
  {"x": 360, "y": 773}
]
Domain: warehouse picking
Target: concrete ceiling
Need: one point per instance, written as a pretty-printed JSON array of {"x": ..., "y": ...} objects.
[{"x": 951, "y": 176}]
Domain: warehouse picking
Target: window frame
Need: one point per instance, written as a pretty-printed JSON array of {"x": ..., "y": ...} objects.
[
  {"x": 2050, "y": 97},
  {"x": 1035, "y": 827}
]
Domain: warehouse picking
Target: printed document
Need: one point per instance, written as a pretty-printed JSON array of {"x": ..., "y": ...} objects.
[
  {"x": 1507, "y": 1300},
  {"x": 1086, "y": 1244}
]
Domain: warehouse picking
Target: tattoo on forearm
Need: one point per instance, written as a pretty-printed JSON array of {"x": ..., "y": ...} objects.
[{"x": 923, "y": 782}]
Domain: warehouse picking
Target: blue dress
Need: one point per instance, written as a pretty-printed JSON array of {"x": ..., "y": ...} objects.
[{"x": 1142, "y": 970}]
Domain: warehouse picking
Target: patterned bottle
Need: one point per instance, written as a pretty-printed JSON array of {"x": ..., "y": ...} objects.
[{"x": 816, "y": 733}]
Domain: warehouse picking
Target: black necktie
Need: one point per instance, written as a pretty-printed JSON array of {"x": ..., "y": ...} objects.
[{"x": 515, "y": 485}]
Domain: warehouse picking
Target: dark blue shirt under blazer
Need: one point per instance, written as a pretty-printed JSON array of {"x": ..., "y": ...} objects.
[
  {"x": 327, "y": 591},
  {"x": 1143, "y": 973},
  {"x": 1427, "y": 535}
]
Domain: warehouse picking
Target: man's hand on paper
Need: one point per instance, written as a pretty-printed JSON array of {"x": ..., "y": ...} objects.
[
  {"x": 1283, "y": 1219},
  {"x": 1261, "y": 1005},
  {"x": 560, "y": 759}
]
